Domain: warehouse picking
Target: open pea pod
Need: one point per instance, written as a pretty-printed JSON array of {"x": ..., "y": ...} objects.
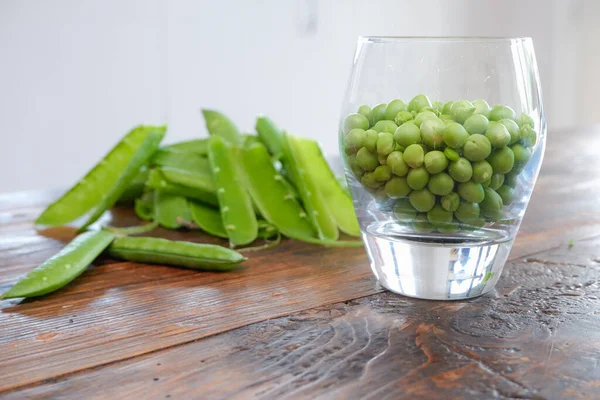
[
  {"x": 208, "y": 219},
  {"x": 197, "y": 146},
  {"x": 103, "y": 185},
  {"x": 218, "y": 124},
  {"x": 235, "y": 204},
  {"x": 62, "y": 268},
  {"x": 337, "y": 200},
  {"x": 201, "y": 188},
  {"x": 314, "y": 203},
  {"x": 171, "y": 211},
  {"x": 182, "y": 160},
  {"x": 144, "y": 206}
]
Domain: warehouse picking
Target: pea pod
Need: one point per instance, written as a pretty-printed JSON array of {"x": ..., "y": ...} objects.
[
  {"x": 198, "y": 146},
  {"x": 266, "y": 230},
  {"x": 339, "y": 202},
  {"x": 144, "y": 206},
  {"x": 201, "y": 190},
  {"x": 170, "y": 211},
  {"x": 218, "y": 124},
  {"x": 208, "y": 219},
  {"x": 235, "y": 204},
  {"x": 312, "y": 198},
  {"x": 136, "y": 187},
  {"x": 103, "y": 185},
  {"x": 151, "y": 250},
  {"x": 270, "y": 135},
  {"x": 62, "y": 268},
  {"x": 182, "y": 160}
]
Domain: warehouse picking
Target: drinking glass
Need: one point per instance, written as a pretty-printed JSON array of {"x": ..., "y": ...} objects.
[{"x": 442, "y": 140}]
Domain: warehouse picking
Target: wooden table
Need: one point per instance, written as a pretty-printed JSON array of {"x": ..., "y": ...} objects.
[{"x": 304, "y": 321}]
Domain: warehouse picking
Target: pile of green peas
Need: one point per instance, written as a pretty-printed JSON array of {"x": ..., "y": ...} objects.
[{"x": 446, "y": 166}]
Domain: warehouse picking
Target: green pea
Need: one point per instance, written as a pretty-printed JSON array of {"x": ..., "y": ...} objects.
[
  {"x": 382, "y": 159},
  {"x": 354, "y": 140},
  {"x": 404, "y": 211},
  {"x": 438, "y": 216},
  {"x": 395, "y": 160},
  {"x": 447, "y": 107},
  {"x": 455, "y": 135},
  {"x": 496, "y": 181},
  {"x": 422, "y": 224},
  {"x": 476, "y": 123},
  {"x": 446, "y": 118},
  {"x": 502, "y": 160},
  {"x": 424, "y": 115},
  {"x": 402, "y": 117},
  {"x": 450, "y": 202},
  {"x": 500, "y": 112},
  {"x": 371, "y": 140},
  {"x": 467, "y": 213},
  {"x": 417, "y": 178},
  {"x": 451, "y": 154},
  {"x": 482, "y": 107},
  {"x": 507, "y": 194},
  {"x": 528, "y": 136},
  {"x": 522, "y": 154},
  {"x": 473, "y": 225},
  {"x": 414, "y": 155},
  {"x": 62, "y": 268},
  {"x": 422, "y": 200},
  {"x": 385, "y": 126},
  {"x": 354, "y": 166},
  {"x": 385, "y": 143},
  {"x": 432, "y": 133},
  {"x": 482, "y": 171},
  {"x": 497, "y": 134},
  {"x": 366, "y": 111},
  {"x": 418, "y": 102},
  {"x": 367, "y": 160},
  {"x": 435, "y": 161},
  {"x": 378, "y": 113},
  {"x": 513, "y": 130},
  {"x": 450, "y": 227},
  {"x": 471, "y": 192},
  {"x": 368, "y": 180},
  {"x": 461, "y": 110},
  {"x": 438, "y": 106},
  {"x": 477, "y": 148},
  {"x": 510, "y": 179},
  {"x": 355, "y": 121},
  {"x": 382, "y": 173},
  {"x": 492, "y": 202},
  {"x": 440, "y": 184},
  {"x": 406, "y": 134},
  {"x": 460, "y": 170},
  {"x": 487, "y": 182},
  {"x": 525, "y": 119},
  {"x": 393, "y": 108},
  {"x": 397, "y": 187}
]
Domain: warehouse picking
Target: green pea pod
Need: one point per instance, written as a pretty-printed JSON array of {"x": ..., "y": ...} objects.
[
  {"x": 171, "y": 211},
  {"x": 270, "y": 135},
  {"x": 208, "y": 219},
  {"x": 144, "y": 206},
  {"x": 312, "y": 198},
  {"x": 235, "y": 204},
  {"x": 198, "y": 146},
  {"x": 182, "y": 160},
  {"x": 136, "y": 187},
  {"x": 201, "y": 190},
  {"x": 218, "y": 124},
  {"x": 103, "y": 185},
  {"x": 131, "y": 230},
  {"x": 339, "y": 203},
  {"x": 62, "y": 268},
  {"x": 203, "y": 182},
  {"x": 266, "y": 230},
  {"x": 270, "y": 195},
  {"x": 206, "y": 257}
]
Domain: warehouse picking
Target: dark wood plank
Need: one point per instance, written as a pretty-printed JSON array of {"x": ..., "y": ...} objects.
[{"x": 537, "y": 336}]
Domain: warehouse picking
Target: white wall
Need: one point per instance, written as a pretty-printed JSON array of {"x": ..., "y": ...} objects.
[{"x": 74, "y": 76}]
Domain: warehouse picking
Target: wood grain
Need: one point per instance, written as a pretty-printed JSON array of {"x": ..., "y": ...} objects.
[
  {"x": 118, "y": 319},
  {"x": 525, "y": 341}
]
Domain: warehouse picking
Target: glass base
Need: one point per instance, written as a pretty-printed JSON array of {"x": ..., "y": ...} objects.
[{"x": 436, "y": 270}]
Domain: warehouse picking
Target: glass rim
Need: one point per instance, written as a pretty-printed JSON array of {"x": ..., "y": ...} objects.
[{"x": 491, "y": 39}]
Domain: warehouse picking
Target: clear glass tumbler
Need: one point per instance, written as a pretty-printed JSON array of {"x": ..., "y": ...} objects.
[{"x": 442, "y": 140}]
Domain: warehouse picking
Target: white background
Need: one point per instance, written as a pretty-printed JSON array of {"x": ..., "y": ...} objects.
[{"x": 76, "y": 75}]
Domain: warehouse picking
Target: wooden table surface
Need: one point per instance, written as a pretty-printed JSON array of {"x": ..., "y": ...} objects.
[{"x": 302, "y": 321}]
